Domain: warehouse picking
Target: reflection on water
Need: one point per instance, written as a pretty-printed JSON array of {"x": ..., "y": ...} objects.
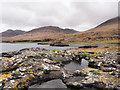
[
  {"x": 76, "y": 66},
  {"x": 57, "y": 83}
]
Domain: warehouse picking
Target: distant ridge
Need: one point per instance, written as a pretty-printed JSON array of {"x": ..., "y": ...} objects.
[
  {"x": 52, "y": 29},
  {"x": 11, "y": 33},
  {"x": 105, "y": 32},
  {"x": 42, "y": 34}
]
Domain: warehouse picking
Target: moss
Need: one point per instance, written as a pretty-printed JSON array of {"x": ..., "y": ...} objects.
[
  {"x": 33, "y": 76},
  {"x": 90, "y": 55},
  {"x": 7, "y": 59},
  {"x": 96, "y": 73},
  {"x": 113, "y": 43},
  {"x": 112, "y": 82},
  {"x": 104, "y": 82},
  {"x": 88, "y": 69},
  {"x": 5, "y": 75},
  {"x": 94, "y": 55},
  {"x": 31, "y": 72},
  {"x": 54, "y": 50},
  {"x": 85, "y": 54},
  {"x": 119, "y": 79},
  {"x": 21, "y": 64},
  {"x": 92, "y": 69},
  {"x": 111, "y": 77},
  {"x": 15, "y": 86},
  {"x": 25, "y": 53}
]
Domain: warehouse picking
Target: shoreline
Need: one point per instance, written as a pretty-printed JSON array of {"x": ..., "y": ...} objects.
[
  {"x": 114, "y": 43},
  {"x": 26, "y": 67}
]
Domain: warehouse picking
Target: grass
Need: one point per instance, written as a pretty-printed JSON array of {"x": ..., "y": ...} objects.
[
  {"x": 97, "y": 43},
  {"x": 96, "y": 73},
  {"x": 113, "y": 43},
  {"x": 99, "y": 49},
  {"x": 54, "y": 50},
  {"x": 89, "y": 55},
  {"x": 85, "y": 54}
]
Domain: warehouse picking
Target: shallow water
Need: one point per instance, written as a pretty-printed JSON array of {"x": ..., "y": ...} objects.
[
  {"x": 76, "y": 65},
  {"x": 6, "y": 47},
  {"x": 57, "y": 83}
]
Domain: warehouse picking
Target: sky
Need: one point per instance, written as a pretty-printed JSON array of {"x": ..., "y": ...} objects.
[{"x": 80, "y": 15}]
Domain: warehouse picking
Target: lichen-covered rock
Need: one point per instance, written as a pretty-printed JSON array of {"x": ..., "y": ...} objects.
[{"x": 21, "y": 69}]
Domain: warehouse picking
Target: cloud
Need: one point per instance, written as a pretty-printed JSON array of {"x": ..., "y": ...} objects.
[{"x": 63, "y": 13}]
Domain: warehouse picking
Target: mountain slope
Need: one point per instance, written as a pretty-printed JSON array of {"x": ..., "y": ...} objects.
[
  {"x": 10, "y": 33},
  {"x": 52, "y": 29},
  {"x": 41, "y": 34},
  {"x": 105, "y": 32}
]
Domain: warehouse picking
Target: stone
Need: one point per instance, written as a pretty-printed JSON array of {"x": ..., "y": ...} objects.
[
  {"x": 32, "y": 65},
  {"x": 74, "y": 85}
]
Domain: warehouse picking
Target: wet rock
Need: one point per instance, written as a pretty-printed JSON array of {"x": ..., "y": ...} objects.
[
  {"x": 79, "y": 73},
  {"x": 6, "y": 55},
  {"x": 74, "y": 82},
  {"x": 74, "y": 85},
  {"x": 108, "y": 69},
  {"x": 22, "y": 69}
]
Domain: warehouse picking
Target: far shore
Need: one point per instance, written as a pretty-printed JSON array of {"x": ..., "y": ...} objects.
[{"x": 116, "y": 43}]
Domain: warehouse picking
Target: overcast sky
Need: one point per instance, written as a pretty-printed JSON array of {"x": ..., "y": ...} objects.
[{"x": 80, "y": 15}]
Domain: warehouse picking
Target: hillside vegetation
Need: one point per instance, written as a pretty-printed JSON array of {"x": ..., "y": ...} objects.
[{"x": 105, "y": 32}]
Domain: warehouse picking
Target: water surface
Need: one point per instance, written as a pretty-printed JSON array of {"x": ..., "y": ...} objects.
[
  {"x": 76, "y": 65},
  {"x": 57, "y": 83},
  {"x": 6, "y": 47}
]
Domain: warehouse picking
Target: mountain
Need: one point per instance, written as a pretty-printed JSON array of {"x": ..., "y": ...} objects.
[
  {"x": 52, "y": 29},
  {"x": 105, "y": 32},
  {"x": 46, "y": 33},
  {"x": 110, "y": 22},
  {"x": 10, "y": 33}
]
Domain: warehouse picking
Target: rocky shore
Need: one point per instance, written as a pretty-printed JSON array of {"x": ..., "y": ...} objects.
[{"x": 21, "y": 69}]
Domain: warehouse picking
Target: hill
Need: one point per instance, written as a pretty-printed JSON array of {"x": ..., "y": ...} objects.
[
  {"x": 46, "y": 33},
  {"x": 52, "y": 29},
  {"x": 11, "y": 33},
  {"x": 105, "y": 32}
]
